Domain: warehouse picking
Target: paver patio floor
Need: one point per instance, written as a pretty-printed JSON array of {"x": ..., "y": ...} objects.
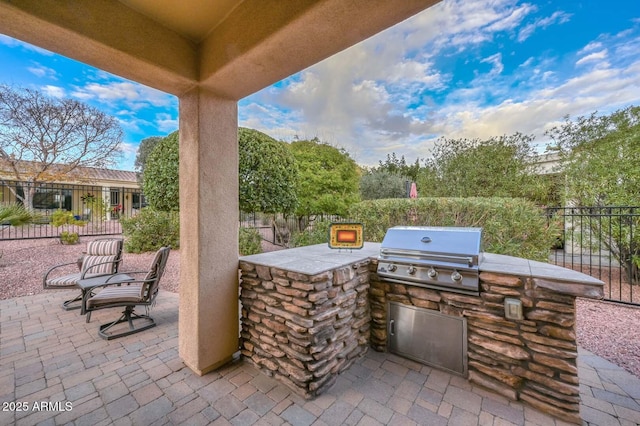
[{"x": 54, "y": 369}]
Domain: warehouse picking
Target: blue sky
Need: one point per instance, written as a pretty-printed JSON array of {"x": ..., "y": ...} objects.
[{"x": 461, "y": 69}]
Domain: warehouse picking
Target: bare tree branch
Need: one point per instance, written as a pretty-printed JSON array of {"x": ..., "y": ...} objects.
[{"x": 43, "y": 139}]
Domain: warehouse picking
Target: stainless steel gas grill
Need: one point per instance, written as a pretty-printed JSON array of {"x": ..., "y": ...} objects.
[{"x": 443, "y": 258}]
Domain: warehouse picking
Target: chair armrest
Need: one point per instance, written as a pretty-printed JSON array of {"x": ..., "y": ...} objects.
[
  {"x": 133, "y": 272},
  {"x": 53, "y": 268},
  {"x": 89, "y": 284}
]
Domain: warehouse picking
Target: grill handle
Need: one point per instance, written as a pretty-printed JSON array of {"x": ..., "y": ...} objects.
[{"x": 431, "y": 256}]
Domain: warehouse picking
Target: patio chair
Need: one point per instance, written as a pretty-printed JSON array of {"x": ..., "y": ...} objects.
[
  {"x": 128, "y": 293},
  {"x": 103, "y": 257}
]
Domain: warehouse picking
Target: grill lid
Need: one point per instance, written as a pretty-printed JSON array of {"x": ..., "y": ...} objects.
[{"x": 446, "y": 244}]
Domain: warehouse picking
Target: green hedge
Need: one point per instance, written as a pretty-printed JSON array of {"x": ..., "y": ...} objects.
[
  {"x": 511, "y": 226},
  {"x": 317, "y": 234}
]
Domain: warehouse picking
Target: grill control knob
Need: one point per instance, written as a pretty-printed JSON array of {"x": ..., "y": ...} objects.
[
  {"x": 456, "y": 277},
  {"x": 392, "y": 267},
  {"x": 433, "y": 274},
  {"x": 411, "y": 270}
]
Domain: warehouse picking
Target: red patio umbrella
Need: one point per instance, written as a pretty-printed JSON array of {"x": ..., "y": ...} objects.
[{"x": 413, "y": 193}]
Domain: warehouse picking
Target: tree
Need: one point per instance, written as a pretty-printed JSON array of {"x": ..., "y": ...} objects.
[
  {"x": 160, "y": 179},
  {"x": 495, "y": 167},
  {"x": 606, "y": 149},
  {"x": 43, "y": 139},
  {"x": 399, "y": 166},
  {"x": 378, "y": 184},
  {"x": 328, "y": 181},
  {"x": 144, "y": 149},
  {"x": 600, "y": 158},
  {"x": 268, "y": 173}
]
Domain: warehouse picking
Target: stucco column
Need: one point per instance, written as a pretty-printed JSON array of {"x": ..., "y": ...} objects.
[{"x": 208, "y": 320}]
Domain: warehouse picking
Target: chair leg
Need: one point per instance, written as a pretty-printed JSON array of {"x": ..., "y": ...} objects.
[
  {"x": 67, "y": 304},
  {"x": 128, "y": 316}
]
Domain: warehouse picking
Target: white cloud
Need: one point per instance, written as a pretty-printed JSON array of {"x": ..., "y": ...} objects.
[
  {"x": 134, "y": 96},
  {"x": 596, "y": 57},
  {"x": 128, "y": 151},
  {"x": 131, "y": 121},
  {"x": 166, "y": 123},
  {"x": 41, "y": 71},
  {"x": 496, "y": 61},
  {"x": 128, "y": 148},
  {"x": 594, "y": 45},
  {"x": 391, "y": 93},
  {"x": 557, "y": 17},
  {"x": 595, "y": 90},
  {"x": 54, "y": 91},
  {"x": 463, "y": 24}
]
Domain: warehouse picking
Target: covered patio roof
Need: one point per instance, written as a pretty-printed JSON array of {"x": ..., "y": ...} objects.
[
  {"x": 210, "y": 55},
  {"x": 232, "y": 47}
]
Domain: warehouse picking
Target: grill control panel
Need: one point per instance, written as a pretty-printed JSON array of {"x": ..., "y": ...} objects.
[{"x": 457, "y": 280}]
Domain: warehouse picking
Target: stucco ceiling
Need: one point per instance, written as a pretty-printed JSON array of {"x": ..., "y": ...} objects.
[
  {"x": 230, "y": 47},
  {"x": 193, "y": 19}
]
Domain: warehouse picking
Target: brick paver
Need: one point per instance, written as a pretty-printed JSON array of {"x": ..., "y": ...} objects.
[{"x": 50, "y": 355}]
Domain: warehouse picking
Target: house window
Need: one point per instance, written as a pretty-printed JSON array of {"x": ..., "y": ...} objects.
[
  {"x": 137, "y": 200},
  {"x": 52, "y": 198},
  {"x": 114, "y": 197}
]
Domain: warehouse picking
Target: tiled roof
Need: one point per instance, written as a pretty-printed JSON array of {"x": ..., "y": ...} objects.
[
  {"x": 80, "y": 174},
  {"x": 110, "y": 174}
]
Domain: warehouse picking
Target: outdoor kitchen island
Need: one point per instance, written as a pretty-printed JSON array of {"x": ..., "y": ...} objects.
[{"x": 309, "y": 312}]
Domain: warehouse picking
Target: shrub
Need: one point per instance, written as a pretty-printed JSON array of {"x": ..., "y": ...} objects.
[
  {"x": 380, "y": 184},
  {"x": 316, "y": 234},
  {"x": 511, "y": 226},
  {"x": 97, "y": 205},
  {"x": 16, "y": 214},
  {"x": 150, "y": 230},
  {"x": 69, "y": 238},
  {"x": 63, "y": 217},
  {"x": 250, "y": 241}
]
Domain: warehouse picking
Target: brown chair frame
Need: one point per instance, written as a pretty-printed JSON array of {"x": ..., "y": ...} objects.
[
  {"x": 73, "y": 279},
  {"x": 124, "y": 290}
]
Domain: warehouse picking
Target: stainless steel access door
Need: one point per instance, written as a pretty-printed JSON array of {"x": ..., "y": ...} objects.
[{"x": 428, "y": 336}]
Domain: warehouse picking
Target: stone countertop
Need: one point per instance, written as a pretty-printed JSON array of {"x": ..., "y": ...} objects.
[
  {"x": 545, "y": 275},
  {"x": 502, "y": 264},
  {"x": 313, "y": 260},
  {"x": 316, "y": 259}
]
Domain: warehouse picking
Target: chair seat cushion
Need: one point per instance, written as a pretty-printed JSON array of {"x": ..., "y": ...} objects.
[
  {"x": 69, "y": 281},
  {"x": 115, "y": 295},
  {"x": 64, "y": 281}
]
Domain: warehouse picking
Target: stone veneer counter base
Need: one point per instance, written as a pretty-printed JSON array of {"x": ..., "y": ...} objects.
[{"x": 309, "y": 312}]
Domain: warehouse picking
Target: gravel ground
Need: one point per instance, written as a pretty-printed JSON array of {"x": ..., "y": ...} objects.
[
  {"x": 609, "y": 330},
  {"x": 23, "y": 263}
]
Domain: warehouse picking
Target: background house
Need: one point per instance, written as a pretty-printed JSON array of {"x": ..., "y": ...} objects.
[{"x": 119, "y": 189}]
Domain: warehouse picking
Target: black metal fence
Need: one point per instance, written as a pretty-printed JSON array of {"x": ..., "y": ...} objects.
[
  {"x": 277, "y": 229},
  {"x": 97, "y": 209},
  {"x": 603, "y": 242}
]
